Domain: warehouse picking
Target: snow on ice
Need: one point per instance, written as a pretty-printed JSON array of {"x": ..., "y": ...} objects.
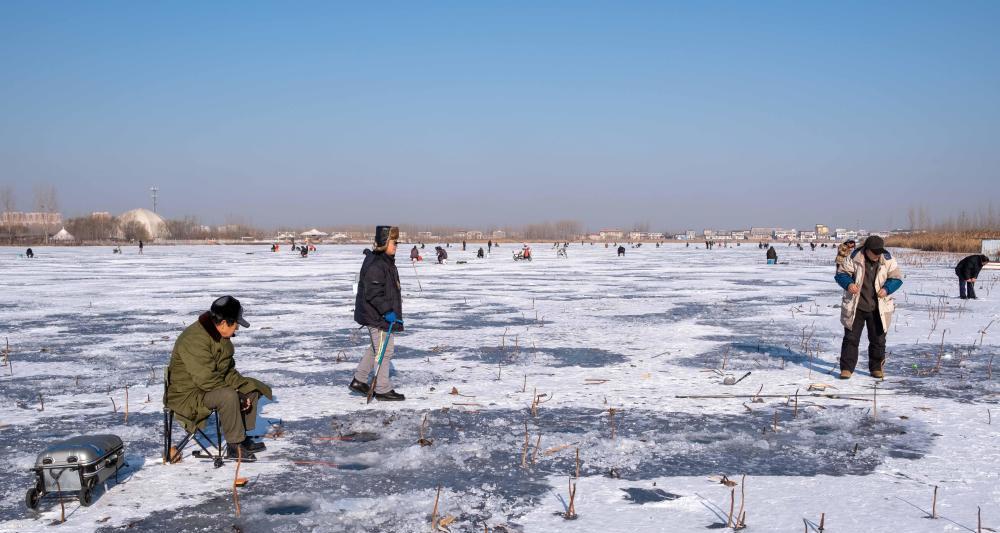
[{"x": 651, "y": 336}]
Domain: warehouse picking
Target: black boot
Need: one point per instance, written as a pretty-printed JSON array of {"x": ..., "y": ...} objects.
[
  {"x": 235, "y": 451},
  {"x": 391, "y": 396},
  {"x": 359, "y": 386},
  {"x": 252, "y": 445}
]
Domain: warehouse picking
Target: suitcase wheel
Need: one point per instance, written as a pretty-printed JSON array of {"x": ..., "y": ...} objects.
[{"x": 32, "y": 497}]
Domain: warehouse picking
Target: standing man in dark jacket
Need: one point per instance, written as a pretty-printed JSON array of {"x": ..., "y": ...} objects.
[
  {"x": 968, "y": 270},
  {"x": 379, "y": 304}
]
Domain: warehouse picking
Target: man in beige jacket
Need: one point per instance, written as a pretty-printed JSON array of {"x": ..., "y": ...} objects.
[{"x": 868, "y": 277}]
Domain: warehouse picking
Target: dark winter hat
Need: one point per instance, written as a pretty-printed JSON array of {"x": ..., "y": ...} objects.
[
  {"x": 875, "y": 244},
  {"x": 384, "y": 234},
  {"x": 229, "y": 309}
]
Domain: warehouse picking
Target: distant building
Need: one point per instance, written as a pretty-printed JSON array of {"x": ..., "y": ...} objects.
[
  {"x": 608, "y": 234},
  {"x": 655, "y": 236},
  {"x": 636, "y": 236},
  {"x": 499, "y": 234},
  {"x": 15, "y": 218},
  {"x": 425, "y": 235},
  {"x": 822, "y": 230},
  {"x": 763, "y": 233},
  {"x": 845, "y": 234},
  {"x": 786, "y": 234},
  {"x": 63, "y": 236},
  {"x": 155, "y": 226},
  {"x": 740, "y": 235},
  {"x": 690, "y": 234},
  {"x": 807, "y": 236}
]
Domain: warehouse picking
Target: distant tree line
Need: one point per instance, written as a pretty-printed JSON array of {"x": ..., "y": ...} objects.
[{"x": 983, "y": 219}]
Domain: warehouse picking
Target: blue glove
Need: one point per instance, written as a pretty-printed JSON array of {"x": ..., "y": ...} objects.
[{"x": 391, "y": 318}]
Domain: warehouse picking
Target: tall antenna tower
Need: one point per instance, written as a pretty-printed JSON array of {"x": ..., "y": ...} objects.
[{"x": 153, "y": 191}]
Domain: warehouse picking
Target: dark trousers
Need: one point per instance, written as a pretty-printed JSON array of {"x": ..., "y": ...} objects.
[
  {"x": 966, "y": 289},
  {"x": 852, "y": 338},
  {"x": 233, "y": 421}
]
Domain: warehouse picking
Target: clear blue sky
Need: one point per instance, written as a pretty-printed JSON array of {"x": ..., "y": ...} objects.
[{"x": 693, "y": 114}]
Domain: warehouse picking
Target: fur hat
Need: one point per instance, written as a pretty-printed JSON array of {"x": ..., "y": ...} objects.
[{"x": 384, "y": 234}]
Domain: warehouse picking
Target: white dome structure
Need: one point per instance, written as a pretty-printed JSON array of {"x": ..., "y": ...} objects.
[
  {"x": 63, "y": 236},
  {"x": 154, "y": 224}
]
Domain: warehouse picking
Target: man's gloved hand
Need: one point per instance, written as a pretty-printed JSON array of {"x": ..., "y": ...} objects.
[{"x": 391, "y": 318}]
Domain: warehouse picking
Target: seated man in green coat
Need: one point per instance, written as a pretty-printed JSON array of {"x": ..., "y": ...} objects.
[{"x": 202, "y": 376}]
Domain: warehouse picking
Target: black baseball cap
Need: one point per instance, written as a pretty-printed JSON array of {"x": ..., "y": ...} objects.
[
  {"x": 875, "y": 244},
  {"x": 230, "y": 310}
]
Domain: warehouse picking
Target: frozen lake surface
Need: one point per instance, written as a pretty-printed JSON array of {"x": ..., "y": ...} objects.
[{"x": 629, "y": 354}]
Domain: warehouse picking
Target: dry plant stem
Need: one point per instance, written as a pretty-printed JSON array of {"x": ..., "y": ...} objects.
[
  {"x": 578, "y": 463},
  {"x": 979, "y": 519},
  {"x": 822, "y": 522},
  {"x": 534, "y": 454},
  {"x": 743, "y": 495},
  {"x": 875, "y": 401},
  {"x": 775, "y": 422},
  {"x": 126, "y": 405},
  {"x": 732, "y": 503},
  {"x": 41, "y": 401},
  {"x": 524, "y": 451},
  {"x": 113, "y": 405},
  {"x": 62, "y": 506},
  {"x": 611, "y": 420},
  {"x": 236, "y": 496},
  {"x": 934, "y": 503},
  {"x": 434, "y": 513},
  {"x": 571, "y": 509},
  {"x": 795, "y": 412}
]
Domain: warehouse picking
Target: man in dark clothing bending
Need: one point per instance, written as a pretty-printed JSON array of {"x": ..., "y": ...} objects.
[
  {"x": 772, "y": 256},
  {"x": 379, "y": 303},
  {"x": 967, "y": 271}
]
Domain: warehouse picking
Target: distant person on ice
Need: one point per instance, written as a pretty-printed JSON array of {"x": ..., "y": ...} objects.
[
  {"x": 415, "y": 254},
  {"x": 140, "y": 247},
  {"x": 202, "y": 376},
  {"x": 442, "y": 254},
  {"x": 30, "y": 254},
  {"x": 481, "y": 253},
  {"x": 967, "y": 271},
  {"x": 621, "y": 251},
  {"x": 772, "y": 256},
  {"x": 869, "y": 276},
  {"x": 379, "y": 303}
]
